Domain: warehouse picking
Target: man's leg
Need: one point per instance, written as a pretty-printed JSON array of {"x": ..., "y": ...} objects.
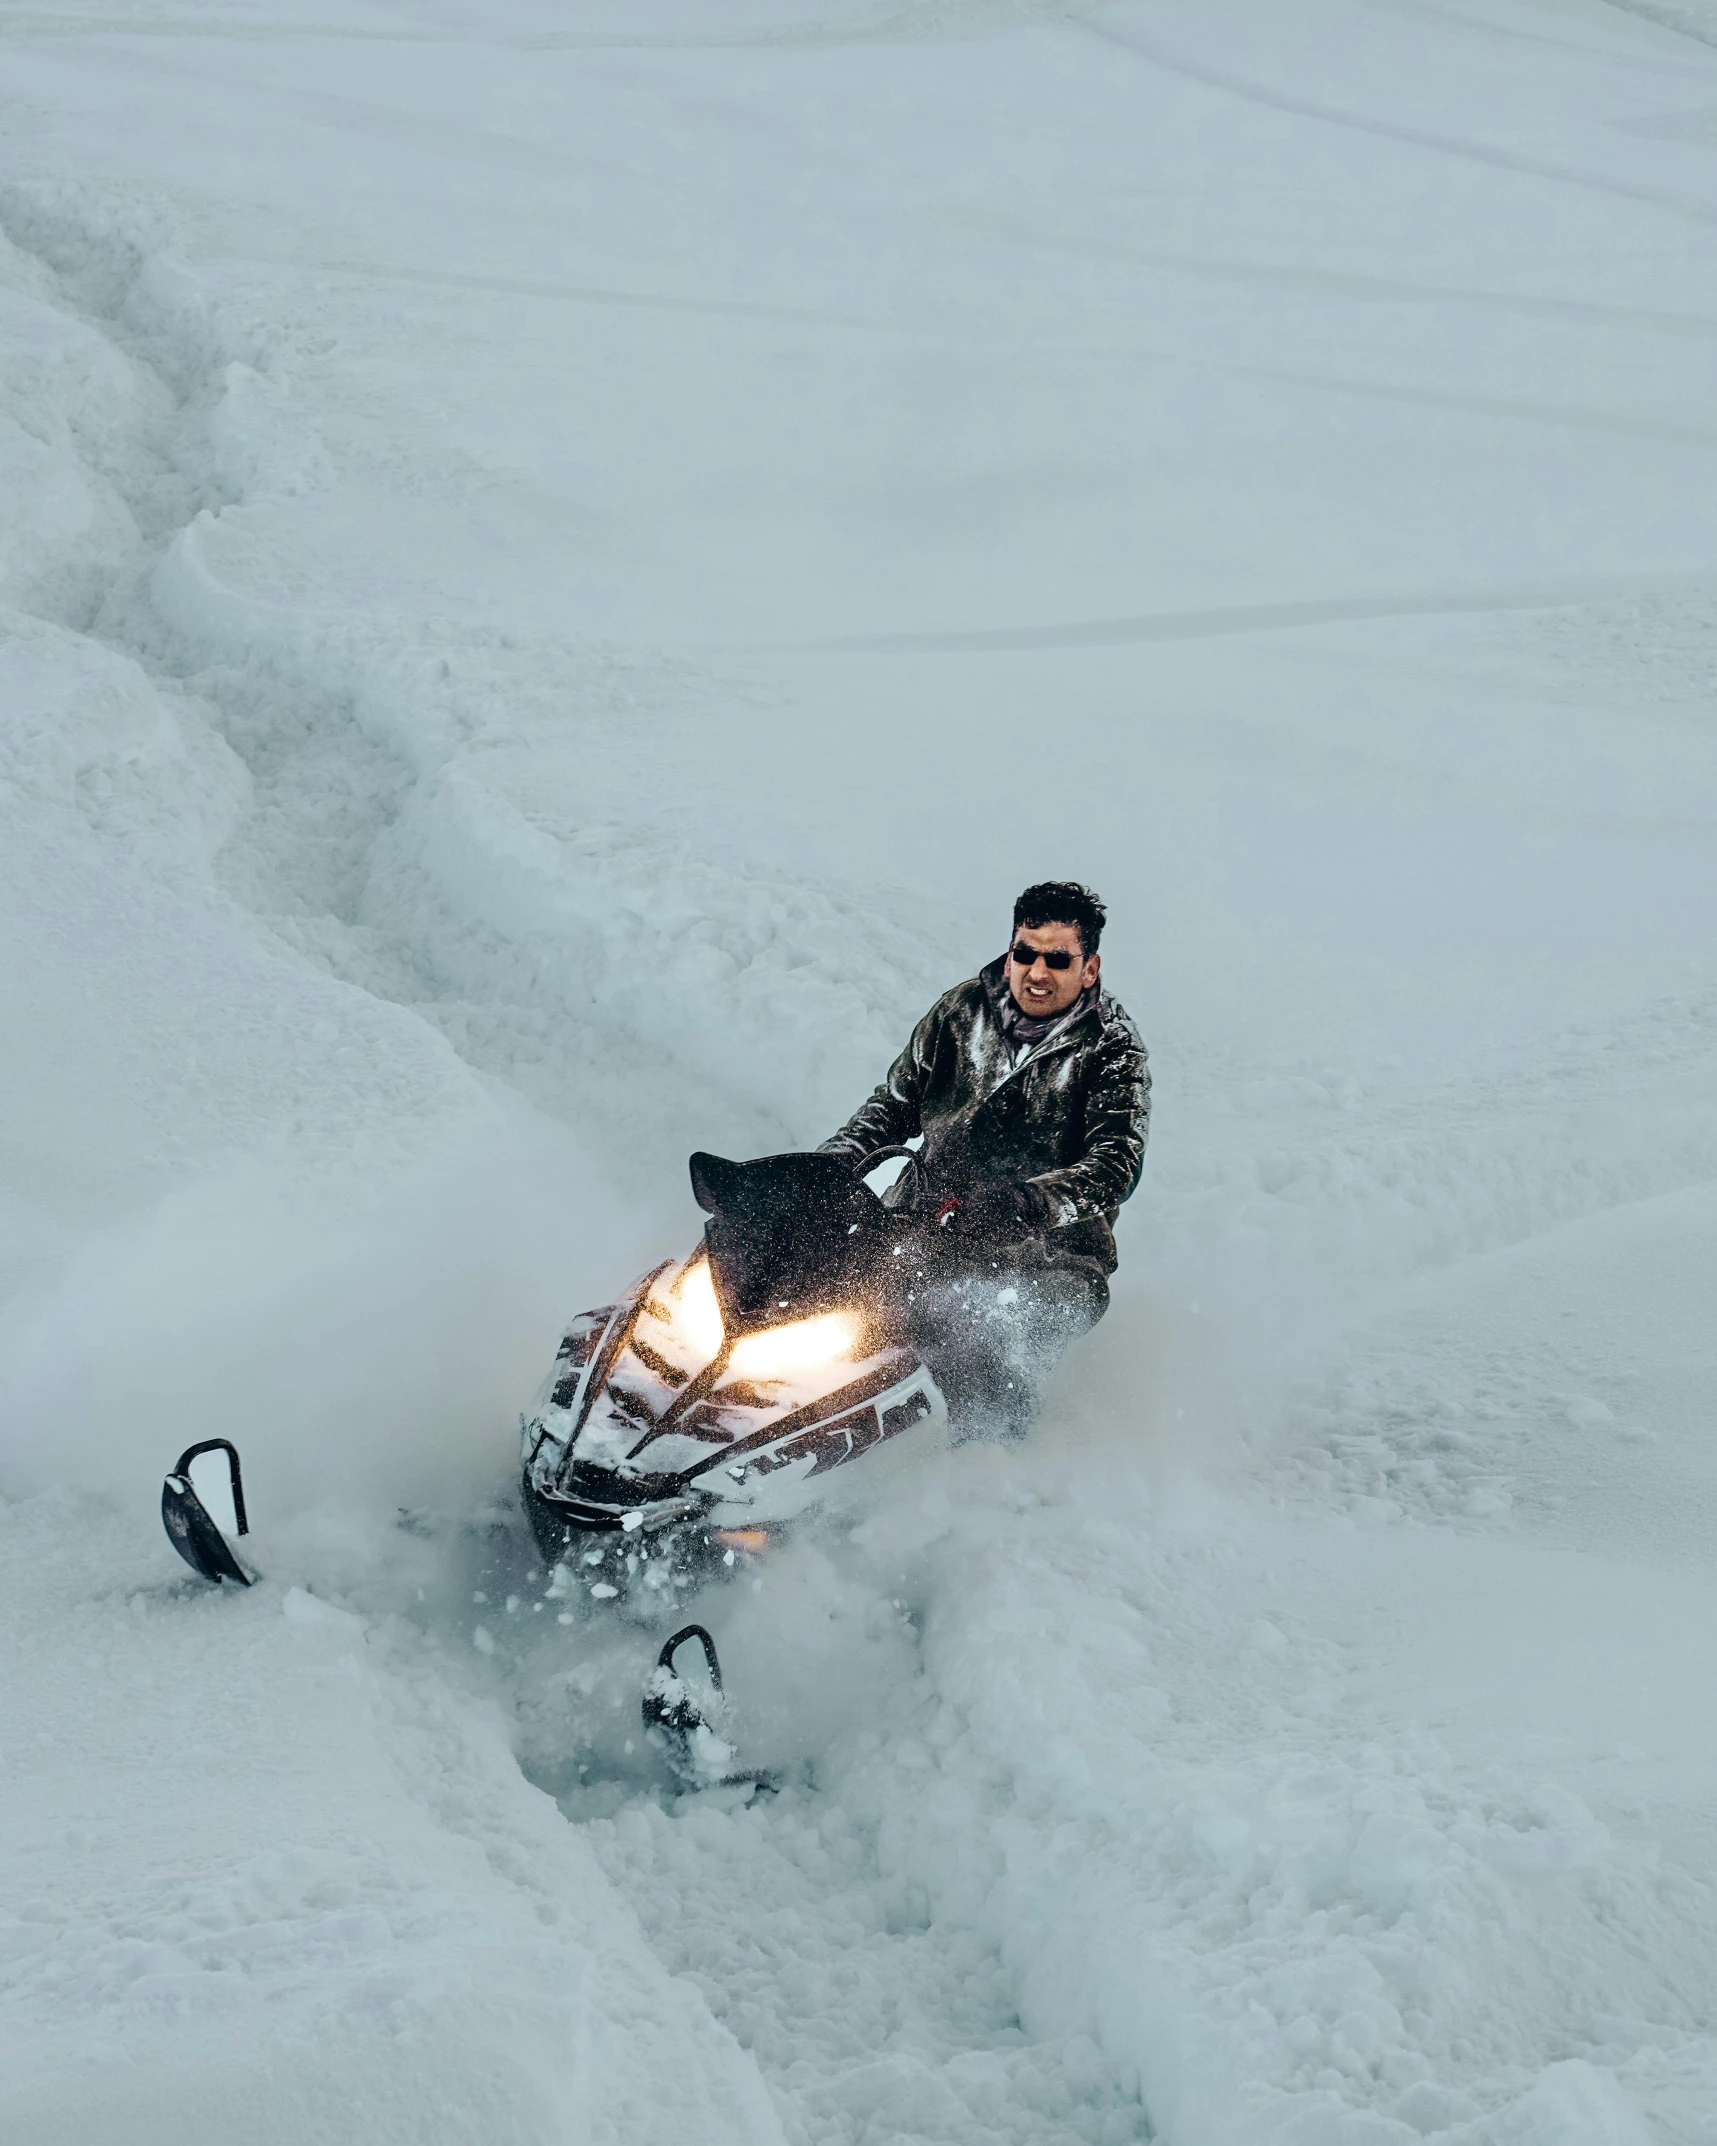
[{"x": 994, "y": 1335}]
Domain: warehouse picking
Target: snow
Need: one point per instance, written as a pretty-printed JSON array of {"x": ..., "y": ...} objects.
[
  {"x": 290, "y": 1880},
  {"x": 558, "y": 568}
]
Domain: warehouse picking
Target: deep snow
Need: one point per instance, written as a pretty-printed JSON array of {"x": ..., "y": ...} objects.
[{"x": 559, "y": 567}]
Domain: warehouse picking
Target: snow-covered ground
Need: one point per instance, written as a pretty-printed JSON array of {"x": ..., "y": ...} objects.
[{"x": 559, "y": 566}]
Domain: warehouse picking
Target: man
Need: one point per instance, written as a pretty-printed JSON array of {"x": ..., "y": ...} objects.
[{"x": 1032, "y": 1090}]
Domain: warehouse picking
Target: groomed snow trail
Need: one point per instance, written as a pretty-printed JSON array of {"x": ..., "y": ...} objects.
[{"x": 558, "y": 574}]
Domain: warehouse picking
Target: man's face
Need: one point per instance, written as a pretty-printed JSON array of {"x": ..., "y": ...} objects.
[{"x": 1040, "y": 990}]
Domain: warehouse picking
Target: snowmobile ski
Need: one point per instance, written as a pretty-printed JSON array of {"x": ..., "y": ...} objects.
[
  {"x": 186, "y": 1518},
  {"x": 674, "y": 1719}
]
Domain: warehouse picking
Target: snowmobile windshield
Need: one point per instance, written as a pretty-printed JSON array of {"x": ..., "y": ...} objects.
[{"x": 788, "y": 1237}]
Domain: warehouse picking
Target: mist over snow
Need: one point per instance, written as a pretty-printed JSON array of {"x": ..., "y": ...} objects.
[{"x": 559, "y": 567}]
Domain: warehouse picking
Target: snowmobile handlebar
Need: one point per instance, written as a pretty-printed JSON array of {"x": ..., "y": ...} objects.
[{"x": 867, "y": 1163}]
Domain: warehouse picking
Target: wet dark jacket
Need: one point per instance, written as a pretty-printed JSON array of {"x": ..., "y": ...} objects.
[{"x": 1070, "y": 1119}]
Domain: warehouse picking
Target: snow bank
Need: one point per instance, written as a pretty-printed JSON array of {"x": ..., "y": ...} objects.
[
  {"x": 84, "y": 730},
  {"x": 265, "y": 1870},
  {"x": 1296, "y": 1824},
  {"x": 541, "y": 853},
  {"x": 63, "y": 527},
  {"x": 229, "y": 1175}
]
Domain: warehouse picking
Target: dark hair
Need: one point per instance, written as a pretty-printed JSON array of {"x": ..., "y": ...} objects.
[{"x": 1063, "y": 901}]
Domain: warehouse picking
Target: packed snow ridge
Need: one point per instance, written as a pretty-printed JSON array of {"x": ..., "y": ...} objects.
[{"x": 558, "y": 568}]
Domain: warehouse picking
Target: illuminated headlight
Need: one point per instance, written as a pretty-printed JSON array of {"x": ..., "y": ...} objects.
[
  {"x": 692, "y": 1319},
  {"x": 689, "y": 1312},
  {"x": 801, "y": 1345}
]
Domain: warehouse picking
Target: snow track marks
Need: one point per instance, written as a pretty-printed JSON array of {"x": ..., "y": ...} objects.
[
  {"x": 325, "y": 813},
  {"x": 388, "y": 841}
]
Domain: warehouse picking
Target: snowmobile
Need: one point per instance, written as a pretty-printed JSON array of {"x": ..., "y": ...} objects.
[
  {"x": 724, "y": 1395},
  {"x": 718, "y": 1401}
]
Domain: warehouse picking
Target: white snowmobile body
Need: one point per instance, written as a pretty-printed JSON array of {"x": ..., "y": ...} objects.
[{"x": 725, "y": 1393}]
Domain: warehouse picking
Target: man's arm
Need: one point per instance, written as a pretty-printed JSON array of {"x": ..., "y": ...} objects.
[
  {"x": 1117, "y": 1125},
  {"x": 889, "y": 1116}
]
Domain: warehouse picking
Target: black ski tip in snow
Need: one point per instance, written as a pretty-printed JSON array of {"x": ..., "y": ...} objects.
[
  {"x": 673, "y": 1718},
  {"x": 186, "y": 1518}
]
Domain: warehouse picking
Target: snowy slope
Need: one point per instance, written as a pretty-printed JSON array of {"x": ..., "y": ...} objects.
[
  {"x": 271, "y": 1873},
  {"x": 558, "y": 566}
]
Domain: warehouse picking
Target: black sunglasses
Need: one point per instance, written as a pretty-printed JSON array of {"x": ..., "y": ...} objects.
[{"x": 1056, "y": 957}]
